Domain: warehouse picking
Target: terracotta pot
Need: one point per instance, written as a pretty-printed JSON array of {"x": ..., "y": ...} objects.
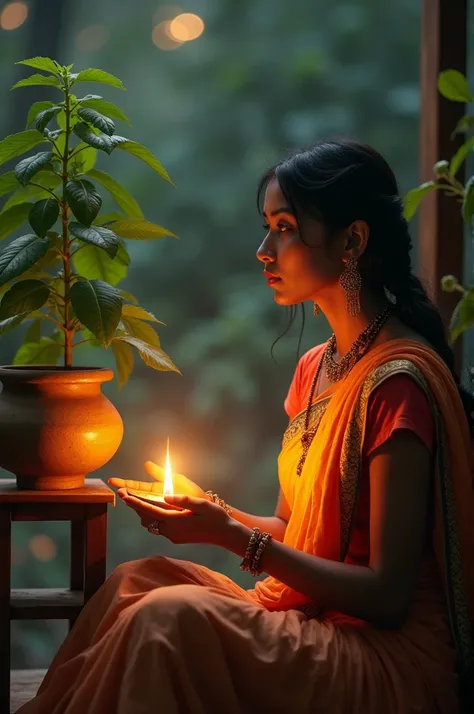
[{"x": 56, "y": 426}]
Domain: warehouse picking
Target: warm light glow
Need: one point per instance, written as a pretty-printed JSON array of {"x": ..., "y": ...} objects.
[
  {"x": 13, "y": 15},
  {"x": 186, "y": 27},
  {"x": 168, "y": 488},
  {"x": 92, "y": 38},
  {"x": 43, "y": 547},
  {"x": 161, "y": 37}
]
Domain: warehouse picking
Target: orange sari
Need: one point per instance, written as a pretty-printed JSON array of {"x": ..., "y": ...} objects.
[{"x": 172, "y": 637}]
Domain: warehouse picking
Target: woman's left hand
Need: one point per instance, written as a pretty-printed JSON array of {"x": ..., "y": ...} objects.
[{"x": 202, "y": 521}]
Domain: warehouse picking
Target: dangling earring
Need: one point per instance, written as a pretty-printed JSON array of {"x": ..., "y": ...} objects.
[
  {"x": 316, "y": 309},
  {"x": 351, "y": 284}
]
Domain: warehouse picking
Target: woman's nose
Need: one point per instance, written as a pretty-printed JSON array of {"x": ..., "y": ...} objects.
[{"x": 265, "y": 254}]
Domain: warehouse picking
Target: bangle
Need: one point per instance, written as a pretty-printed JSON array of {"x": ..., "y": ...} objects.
[
  {"x": 246, "y": 563},
  {"x": 220, "y": 502},
  {"x": 264, "y": 540}
]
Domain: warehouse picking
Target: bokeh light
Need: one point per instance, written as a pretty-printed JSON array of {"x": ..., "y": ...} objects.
[
  {"x": 13, "y": 15},
  {"x": 162, "y": 38},
  {"x": 92, "y": 38},
  {"x": 186, "y": 27},
  {"x": 42, "y": 547}
]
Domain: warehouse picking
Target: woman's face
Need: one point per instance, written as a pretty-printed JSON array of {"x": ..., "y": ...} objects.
[{"x": 295, "y": 270}]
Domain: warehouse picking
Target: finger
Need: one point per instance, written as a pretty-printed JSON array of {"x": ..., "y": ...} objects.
[
  {"x": 130, "y": 483},
  {"x": 154, "y": 471}
]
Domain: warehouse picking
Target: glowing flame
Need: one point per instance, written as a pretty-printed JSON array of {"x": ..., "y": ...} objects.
[{"x": 168, "y": 489}]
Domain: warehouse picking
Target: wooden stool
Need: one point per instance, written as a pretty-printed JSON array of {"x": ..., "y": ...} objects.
[{"x": 86, "y": 508}]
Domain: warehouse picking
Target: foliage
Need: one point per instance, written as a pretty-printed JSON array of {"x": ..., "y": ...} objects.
[
  {"x": 454, "y": 86},
  {"x": 65, "y": 273}
]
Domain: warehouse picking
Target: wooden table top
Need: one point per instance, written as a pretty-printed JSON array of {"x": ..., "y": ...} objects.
[{"x": 94, "y": 491}]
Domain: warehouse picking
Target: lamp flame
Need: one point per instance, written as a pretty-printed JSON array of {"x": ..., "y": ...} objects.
[{"x": 168, "y": 488}]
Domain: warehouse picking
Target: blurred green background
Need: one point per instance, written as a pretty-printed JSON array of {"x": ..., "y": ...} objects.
[{"x": 262, "y": 78}]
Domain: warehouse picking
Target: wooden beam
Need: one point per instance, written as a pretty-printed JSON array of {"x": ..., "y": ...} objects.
[{"x": 441, "y": 229}]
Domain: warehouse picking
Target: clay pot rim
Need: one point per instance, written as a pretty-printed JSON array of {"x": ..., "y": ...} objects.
[{"x": 46, "y": 373}]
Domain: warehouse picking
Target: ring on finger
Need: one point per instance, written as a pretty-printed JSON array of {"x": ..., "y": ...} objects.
[{"x": 154, "y": 528}]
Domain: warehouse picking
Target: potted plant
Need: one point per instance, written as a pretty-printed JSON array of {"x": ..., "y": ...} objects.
[
  {"x": 454, "y": 86},
  {"x": 61, "y": 277}
]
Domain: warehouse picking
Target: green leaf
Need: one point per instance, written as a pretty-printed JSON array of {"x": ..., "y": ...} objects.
[
  {"x": 468, "y": 202},
  {"x": 27, "y": 168},
  {"x": 43, "y": 216},
  {"x": 454, "y": 86},
  {"x": 23, "y": 296},
  {"x": 139, "y": 229},
  {"x": 128, "y": 296},
  {"x": 13, "y": 218},
  {"x": 17, "y": 144},
  {"x": 85, "y": 160},
  {"x": 99, "y": 236},
  {"x": 46, "y": 64},
  {"x": 98, "y": 120},
  {"x": 83, "y": 199},
  {"x": 35, "y": 109},
  {"x": 19, "y": 255},
  {"x": 460, "y": 156},
  {"x": 466, "y": 123},
  {"x": 463, "y": 315},
  {"x": 122, "y": 197},
  {"x": 413, "y": 198},
  {"x": 124, "y": 360},
  {"x": 94, "y": 264},
  {"x": 98, "y": 75},
  {"x": 8, "y": 183},
  {"x": 98, "y": 307},
  {"x": 38, "y": 79},
  {"x": 104, "y": 107},
  {"x": 33, "y": 333},
  {"x": 46, "y": 351},
  {"x": 43, "y": 118},
  {"x": 98, "y": 141},
  {"x": 138, "y": 313},
  {"x": 140, "y": 329},
  {"x": 11, "y": 322},
  {"x": 152, "y": 356},
  {"x": 132, "y": 147}
]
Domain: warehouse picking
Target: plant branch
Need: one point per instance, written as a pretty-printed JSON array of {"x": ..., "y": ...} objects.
[
  {"x": 81, "y": 342},
  {"x": 43, "y": 188},
  {"x": 68, "y": 330},
  {"x": 75, "y": 153}
]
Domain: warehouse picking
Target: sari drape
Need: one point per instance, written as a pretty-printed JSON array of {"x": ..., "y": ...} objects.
[{"x": 323, "y": 499}]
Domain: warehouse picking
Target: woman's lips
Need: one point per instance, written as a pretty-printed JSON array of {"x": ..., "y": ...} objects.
[{"x": 271, "y": 279}]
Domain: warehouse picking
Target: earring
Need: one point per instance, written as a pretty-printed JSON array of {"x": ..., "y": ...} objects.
[
  {"x": 351, "y": 284},
  {"x": 316, "y": 309}
]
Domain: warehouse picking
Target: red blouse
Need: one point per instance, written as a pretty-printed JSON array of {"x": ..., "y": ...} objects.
[{"x": 398, "y": 403}]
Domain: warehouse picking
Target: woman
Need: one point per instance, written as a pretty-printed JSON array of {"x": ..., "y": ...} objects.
[{"x": 369, "y": 598}]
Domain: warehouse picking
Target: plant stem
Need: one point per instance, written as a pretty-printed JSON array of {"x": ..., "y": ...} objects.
[
  {"x": 68, "y": 330},
  {"x": 44, "y": 189}
]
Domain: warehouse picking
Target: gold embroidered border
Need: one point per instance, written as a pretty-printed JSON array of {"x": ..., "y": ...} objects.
[
  {"x": 350, "y": 471},
  {"x": 297, "y": 424}
]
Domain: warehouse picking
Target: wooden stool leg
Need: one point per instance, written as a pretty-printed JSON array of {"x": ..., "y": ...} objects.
[
  {"x": 76, "y": 559},
  {"x": 5, "y": 584},
  {"x": 96, "y": 548}
]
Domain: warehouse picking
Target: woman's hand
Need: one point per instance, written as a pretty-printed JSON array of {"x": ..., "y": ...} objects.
[
  {"x": 182, "y": 484},
  {"x": 202, "y": 521}
]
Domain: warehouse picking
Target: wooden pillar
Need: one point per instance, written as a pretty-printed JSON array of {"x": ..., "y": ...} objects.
[{"x": 441, "y": 245}]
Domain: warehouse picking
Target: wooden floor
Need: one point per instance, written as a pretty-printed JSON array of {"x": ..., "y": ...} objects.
[{"x": 24, "y": 685}]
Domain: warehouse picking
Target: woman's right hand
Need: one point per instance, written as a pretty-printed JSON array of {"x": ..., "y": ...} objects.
[{"x": 182, "y": 484}]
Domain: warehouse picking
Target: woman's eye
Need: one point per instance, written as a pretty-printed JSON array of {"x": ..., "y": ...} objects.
[{"x": 282, "y": 227}]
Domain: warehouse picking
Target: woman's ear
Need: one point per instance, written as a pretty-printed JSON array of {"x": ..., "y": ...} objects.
[{"x": 357, "y": 236}]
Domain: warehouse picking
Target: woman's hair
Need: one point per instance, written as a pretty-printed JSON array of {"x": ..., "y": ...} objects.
[{"x": 338, "y": 182}]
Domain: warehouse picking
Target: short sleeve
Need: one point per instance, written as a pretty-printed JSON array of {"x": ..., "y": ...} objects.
[
  {"x": 398, "y": 403},
  {"x": 303, "y": 377}
]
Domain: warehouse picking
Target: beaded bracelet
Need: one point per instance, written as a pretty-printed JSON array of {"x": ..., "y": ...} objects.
[
  {"x": 246, "y": 563},
  {"x": 262, "y": 544},
  {"x": 220, "y": 502}
]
